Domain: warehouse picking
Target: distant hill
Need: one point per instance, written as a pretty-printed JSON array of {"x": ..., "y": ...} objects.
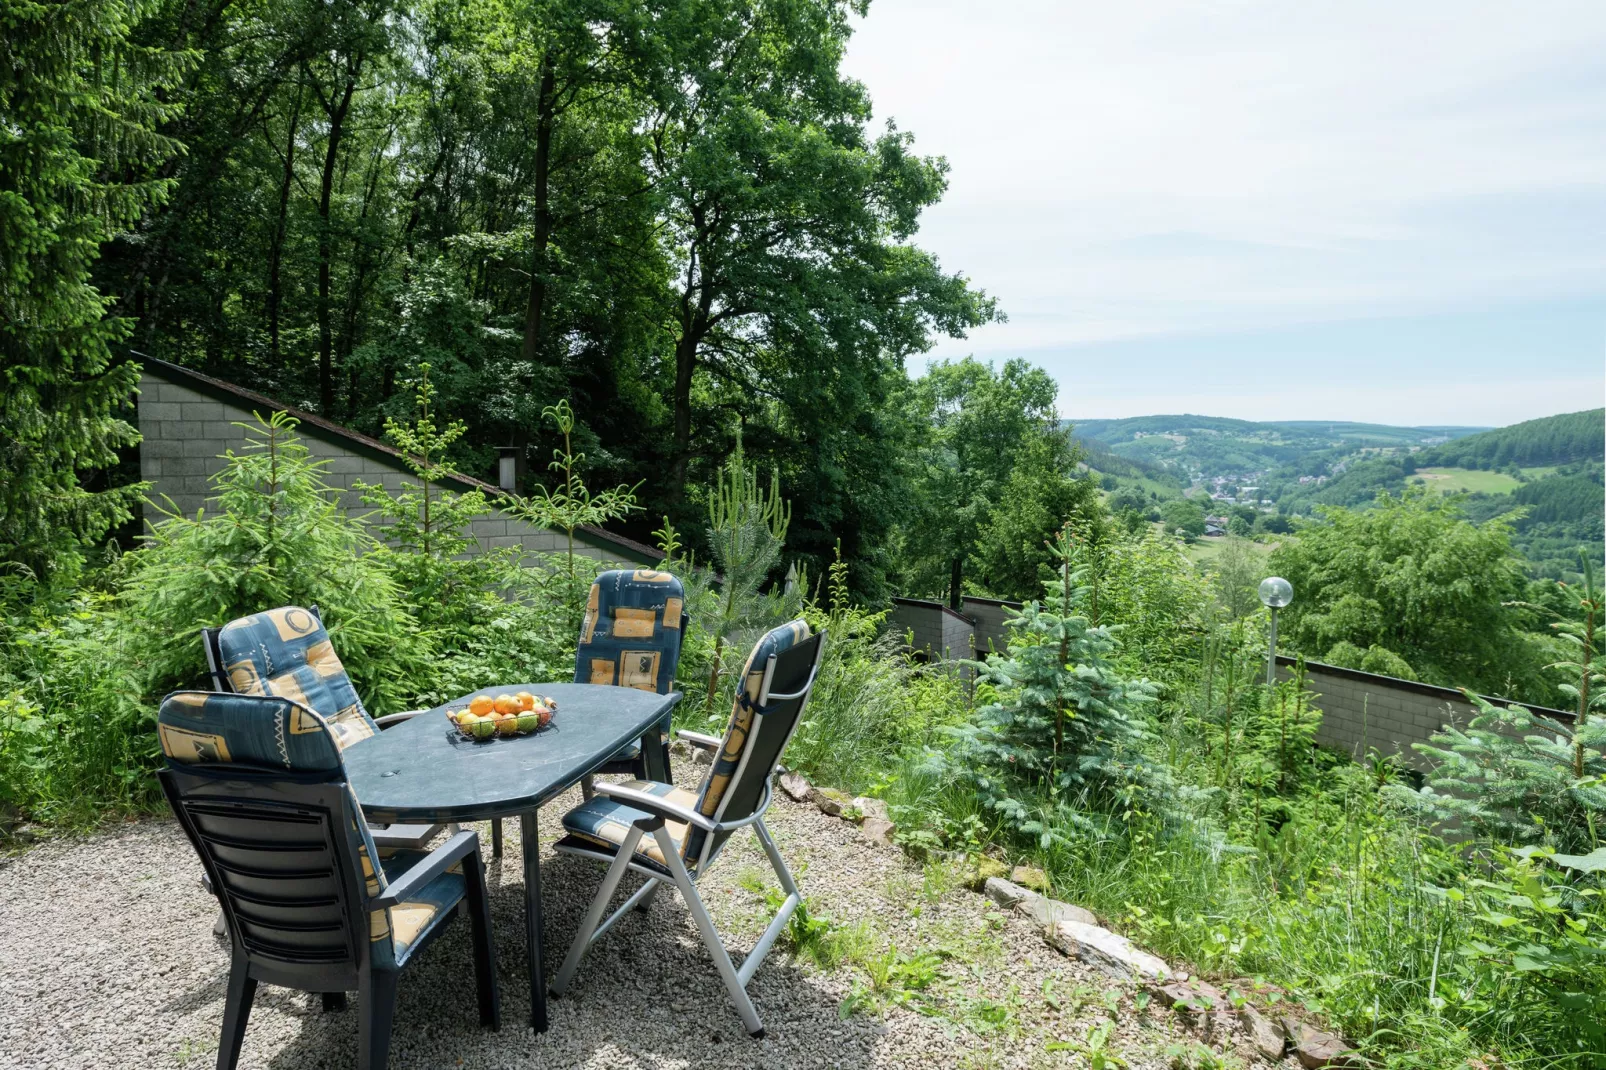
[
  {"x": 1202, "y": 447},
  {"x": 1551, "y": 440}
]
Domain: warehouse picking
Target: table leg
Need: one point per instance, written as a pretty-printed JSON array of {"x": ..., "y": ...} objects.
[
  {"x": 655, "y": 754},
  {"x": 530, "y": 834}
]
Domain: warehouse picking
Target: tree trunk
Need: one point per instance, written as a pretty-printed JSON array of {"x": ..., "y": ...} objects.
[
  {"x": 276, "y": 250},
  {"x": 956, "y": 581},
  {"x": 331, "y": 157},
  {"x": 546, "y": 104}
]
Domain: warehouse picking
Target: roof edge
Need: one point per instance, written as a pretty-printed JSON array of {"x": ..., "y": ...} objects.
[
  {"x": 340, "y": 435},
  {"x": 1448, "y": 694}
]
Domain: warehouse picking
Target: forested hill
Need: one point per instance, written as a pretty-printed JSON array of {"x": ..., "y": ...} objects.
[
  {"x": 1193, "y": 447},
  {"x": 1551, "y": 440}
]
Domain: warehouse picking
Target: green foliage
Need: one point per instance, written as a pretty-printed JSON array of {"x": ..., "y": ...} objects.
[
  {"x": 746, "y": 531},
  {"x": 449, "y": 581},
  {"x": 76, "y": 737},
  {"x": 279, "y": 537},
  {"x": 571, "y": 505},
  {"x": 980, "y": 421},
  {"x": 1518, "y": 778},
  {"x": 1183, "y": 516},
  {"x": 1012, "y": 550},
  {"x": 79, "y": 152},
  {"x": 1413, "y": 577},
  {"x": 1574, "y": 436},
  {"x": 1063, "y": 733}
]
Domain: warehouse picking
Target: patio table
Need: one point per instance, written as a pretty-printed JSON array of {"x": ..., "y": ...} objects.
[{"x": 424, "y": 770}]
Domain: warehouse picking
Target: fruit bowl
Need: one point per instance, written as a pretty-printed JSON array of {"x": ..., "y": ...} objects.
[{"x": 487, "y": 717}]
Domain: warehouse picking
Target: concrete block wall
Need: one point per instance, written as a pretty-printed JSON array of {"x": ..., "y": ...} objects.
[
  {"x": 943, "y": 634},
  {"x": 187, "y": 430},
  {"x": 990, "y": 615},
  {"x": 1363, "y": 711}
]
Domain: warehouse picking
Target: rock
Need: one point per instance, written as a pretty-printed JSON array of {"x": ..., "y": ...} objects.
[
  {"x": 25, "y": 833},
  {"x": 1267, "y": 1040},
  {"x": 1193, "y": 997},
  {"x": 700, "y": 756},
  {"x": 869, "y": 808},
  {"x": 1316, "y": 1050},
  {"x": 1005, "y": 893},
  {"x": 1108, "y": 952},
  {"x": 830, "y": 801},
  {"x": 877, "y": 830},
  {"x": 1045, "y": 911},
  {"x": 981, "y": 868},
  {"x": 680, "y": 749},
  {"x": 1030, "y": 877},
  {"x": 796, "y": 786}
]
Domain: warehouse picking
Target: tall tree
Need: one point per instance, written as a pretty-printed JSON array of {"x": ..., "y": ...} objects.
[
  {"x": 980, "y": 422},
  {"x": 77, "y": 148},
  {"x": 787, "y": 223}
]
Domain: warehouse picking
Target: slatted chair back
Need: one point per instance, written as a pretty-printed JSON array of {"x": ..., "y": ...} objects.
[
  {"x": 258, "y": 785},
  {"x": 775, "y": 686},
  {"x": 286, "y": 653},
  {"x": 630, "y": 635}
]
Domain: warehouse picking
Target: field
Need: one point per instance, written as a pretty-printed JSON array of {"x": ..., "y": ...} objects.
[
  {"x": 1471, "y": 480},
  {"x": 1205, "y": 551}
]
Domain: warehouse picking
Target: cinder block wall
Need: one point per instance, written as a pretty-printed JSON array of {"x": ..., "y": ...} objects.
[
  {"x": 186, "y": 432},
  {"x": 1362, "y": 711},
  {"x": 990, "y": 615}
]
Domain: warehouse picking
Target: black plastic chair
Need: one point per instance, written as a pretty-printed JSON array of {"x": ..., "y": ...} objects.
[{"x": 258, "y": 787}]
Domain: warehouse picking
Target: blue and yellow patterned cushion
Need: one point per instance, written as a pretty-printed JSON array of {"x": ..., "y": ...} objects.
[
  {"x": 413, "y": 919},
  {"x": 286, "y": 653},
  {"x": 216, "y": 728},
  {"x": 605, "y": 822},
  {"x": 730, "y": 750},
  {"x": 630, "y": 636}
]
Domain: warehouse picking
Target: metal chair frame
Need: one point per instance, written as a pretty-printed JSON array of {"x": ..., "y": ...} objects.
[{"x": 675, "y": 869}]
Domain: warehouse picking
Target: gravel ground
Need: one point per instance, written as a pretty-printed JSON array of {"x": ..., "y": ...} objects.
[{"x": 107, "y": 961}]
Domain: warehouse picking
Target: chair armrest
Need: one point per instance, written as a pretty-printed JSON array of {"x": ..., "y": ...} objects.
[
  {"x": 396, "y": 718},
  {"x": 438, "y": 861},
  {"x": 656, "y": 805},
  {"x": 698, "y": 739}
]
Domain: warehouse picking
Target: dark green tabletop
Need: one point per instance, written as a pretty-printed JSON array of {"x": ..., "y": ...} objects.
[{"x": 424, "y": 770}]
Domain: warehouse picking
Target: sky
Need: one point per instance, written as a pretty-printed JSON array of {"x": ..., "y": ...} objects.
[{"x": 1368, "y": 210}]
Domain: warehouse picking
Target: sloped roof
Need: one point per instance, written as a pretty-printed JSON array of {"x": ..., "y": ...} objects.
[{"x": 340, "y": 435}]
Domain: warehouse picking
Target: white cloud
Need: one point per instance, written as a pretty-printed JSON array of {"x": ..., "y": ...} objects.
[{"x": 1141, "y": 169}]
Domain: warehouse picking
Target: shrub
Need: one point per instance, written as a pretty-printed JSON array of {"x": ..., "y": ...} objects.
[
  {"x": 76, "y": 739},
  {"x": 279, "y": 538}
]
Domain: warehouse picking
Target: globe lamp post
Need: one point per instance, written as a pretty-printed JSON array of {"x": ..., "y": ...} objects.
[{"x": 1275, "y": 593}]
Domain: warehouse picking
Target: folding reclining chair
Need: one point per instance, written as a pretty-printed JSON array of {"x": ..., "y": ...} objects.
[
  {"x": 630, "y": 637},
  {"x": 286, "y": 652},
  {"x": 668, "y": 835},
  {"x": 258, "y": 785}
]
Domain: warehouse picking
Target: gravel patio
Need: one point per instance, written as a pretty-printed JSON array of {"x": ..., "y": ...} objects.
[{"x": 107, "y": 961}]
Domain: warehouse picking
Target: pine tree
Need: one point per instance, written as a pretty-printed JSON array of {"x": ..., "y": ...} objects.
[
  {"x": 1519, "y": 778},
  {"x": 1064, "y": 736},
  {"x": 80, "y": 106}
]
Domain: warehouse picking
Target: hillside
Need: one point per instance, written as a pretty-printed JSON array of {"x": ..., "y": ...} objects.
[
  {"x": 1564, "y": 439},
  {"x": 1207, "y": 448}
]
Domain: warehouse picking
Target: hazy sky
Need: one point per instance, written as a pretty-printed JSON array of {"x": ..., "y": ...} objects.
[{"x": 1389, "y": 211}]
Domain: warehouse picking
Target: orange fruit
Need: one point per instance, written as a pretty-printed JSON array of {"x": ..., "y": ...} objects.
[
  {"x": 480, "y": 705},
  {"x": 506, "y": 704},
  {"x": 526, "y": 700}
]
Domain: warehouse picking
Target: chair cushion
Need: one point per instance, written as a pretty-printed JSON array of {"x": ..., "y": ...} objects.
[
  {"x": 213, "y": 726},
  {"x": 605, "y": 822},
  {"x": 752, "y": 683},
  {"x": 413, "y": 919},
  {"x": 287, "y": 653},
  {"x": 630, "y": 635}
]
